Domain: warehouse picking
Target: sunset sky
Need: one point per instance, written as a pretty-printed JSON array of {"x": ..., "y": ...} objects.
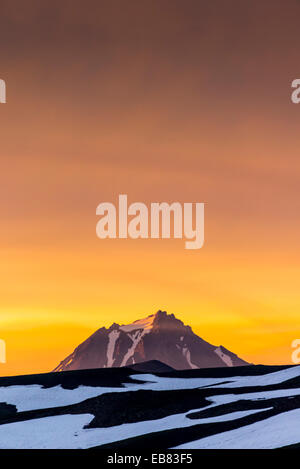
[{"x": 164, "y": 101}]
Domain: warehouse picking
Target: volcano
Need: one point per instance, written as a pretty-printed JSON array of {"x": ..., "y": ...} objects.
[{"x": 160, "y": 336}]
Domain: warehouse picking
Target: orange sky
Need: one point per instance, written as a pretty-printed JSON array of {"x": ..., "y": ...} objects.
[{"x": 164, "y": 102}]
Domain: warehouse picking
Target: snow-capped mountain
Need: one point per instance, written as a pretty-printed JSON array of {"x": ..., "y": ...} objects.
[{"x": 160, "y": 336}]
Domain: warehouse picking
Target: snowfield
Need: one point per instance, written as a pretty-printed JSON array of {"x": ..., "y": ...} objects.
[
  {"x": 111, "y": 408},
  {"x": 36, "y": 397},
  {"x": 67, "y": 432},
  {"x": 275, "y": 432}
]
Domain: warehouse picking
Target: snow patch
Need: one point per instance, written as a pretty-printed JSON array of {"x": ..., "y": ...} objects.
[
  {"x": 273, "y": 432},
  {"x": 68, "y": 432},
  {"x": 136, "y": 337},
  {"x": 225, "y": 358},
  {"x": 145, "y": 324},
  {"x": 112, "y": 338},
  {"x": 252, "y": 396},
  {"x": 267, "y": 379},
  {"x": 187, "y": 354},
  {"x": 161, "y": 383},
  {"x": 33, "y": 397}
]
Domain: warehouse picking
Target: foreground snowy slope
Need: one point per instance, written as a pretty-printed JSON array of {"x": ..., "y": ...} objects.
[{"x": 242, "y": 407}]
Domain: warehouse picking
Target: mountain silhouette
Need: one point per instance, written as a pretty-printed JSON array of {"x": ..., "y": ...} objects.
[{"x": 160, "y": 337}]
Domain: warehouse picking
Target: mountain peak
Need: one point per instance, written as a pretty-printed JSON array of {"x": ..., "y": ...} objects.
[
  {"x": 144, "y": 323},
  {"x": 159, "y": 336}
]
